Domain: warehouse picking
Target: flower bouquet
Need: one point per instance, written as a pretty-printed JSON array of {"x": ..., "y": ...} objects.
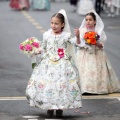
[
  {"x": 91, "y": 37},
  {"x": 30, "y": 47}
]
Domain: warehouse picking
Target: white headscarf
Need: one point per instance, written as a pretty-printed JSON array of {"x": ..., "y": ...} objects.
[
  {"x": 70, "y": 47},
  {"x": 99, "y": 28},
  {"x": 99, "y": 23},
  {"x": 67, "y": 26}
]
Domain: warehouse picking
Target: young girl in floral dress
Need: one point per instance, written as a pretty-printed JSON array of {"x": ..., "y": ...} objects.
[
  {"x": 96, "y": 73},
  {"x": 54, "y": 81}
]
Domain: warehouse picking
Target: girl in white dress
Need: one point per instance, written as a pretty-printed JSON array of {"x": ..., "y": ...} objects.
[
  {"x": 54, "y": 81},
  {"x": 97, "y": 75},
  {"x": 85, "y": 6}
]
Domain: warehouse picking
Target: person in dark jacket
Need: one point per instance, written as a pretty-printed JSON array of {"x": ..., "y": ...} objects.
[
  {"x": 98, "y": 6},
  {"x": 74, "y": 4}
]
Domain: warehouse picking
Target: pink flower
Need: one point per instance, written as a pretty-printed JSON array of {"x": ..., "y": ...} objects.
[
  {"x": 28, "y": 47},
  {"x": 61, "y": 52},
  {"x": 35, "y": 44},
  {"x": 21, "y": 47},
  {"x": 30, "y": 38},
  {"x": 41, "y": 86}
]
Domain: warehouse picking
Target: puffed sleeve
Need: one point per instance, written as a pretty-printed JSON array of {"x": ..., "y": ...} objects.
[
  {"x": 67, "y": 36},
  {"x": 82, "y": 41},
  {"x": 70, "y": 38}
]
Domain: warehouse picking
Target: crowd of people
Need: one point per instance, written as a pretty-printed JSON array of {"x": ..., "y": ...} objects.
[
  {"x": 111, "y": 7},
  {"x": 27, "y": 4}
]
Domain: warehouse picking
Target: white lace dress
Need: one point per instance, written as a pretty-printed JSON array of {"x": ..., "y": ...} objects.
[
  {"x": 96, "y": 73},
  {"x": 54, "y": 81}
]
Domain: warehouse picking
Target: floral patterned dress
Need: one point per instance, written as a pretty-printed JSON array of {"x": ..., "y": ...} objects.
[
  {"x": 54, "y": 81},
  {"x": 97, "y": 75}
]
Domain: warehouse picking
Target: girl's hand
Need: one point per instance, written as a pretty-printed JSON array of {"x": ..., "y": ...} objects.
[
  {"x": 76, "y": 32},
  {"x": 99, "y": 45}
]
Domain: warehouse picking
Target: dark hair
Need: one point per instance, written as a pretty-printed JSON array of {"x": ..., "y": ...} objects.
[
  {"x": 91, "y": 14},
  {"x": 59, "y": 16}
]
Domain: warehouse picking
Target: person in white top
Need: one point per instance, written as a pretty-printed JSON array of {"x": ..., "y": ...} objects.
[{"x": 85, "y": 6}]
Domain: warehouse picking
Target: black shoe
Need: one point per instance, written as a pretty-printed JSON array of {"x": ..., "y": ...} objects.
[
  {"x": 59, "y": 113},
  {"x": 50, "y": 113}
]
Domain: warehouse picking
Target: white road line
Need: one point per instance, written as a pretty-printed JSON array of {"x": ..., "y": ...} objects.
[
  {"x": 13, "y": 98},
  {"x": 109, "y": 96},
  {"x": 99, "y": 97},
  {"x": 53, "y": 119},
  {"x": 31, "y": 117},
  {"x": 35, "y": 118},
  {"x": 118, "y": 98},
  {"x": 33, "y": 22}
]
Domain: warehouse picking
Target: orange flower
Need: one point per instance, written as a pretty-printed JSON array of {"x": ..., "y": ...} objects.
[
  {"x": 86, "y": 36},
  {"x": 93, "y": 41},
  {"x": 90, "y": 37}
]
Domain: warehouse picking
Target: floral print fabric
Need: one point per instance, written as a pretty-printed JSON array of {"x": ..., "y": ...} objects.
[
  {"x": 97, "y": 75},
  {"x": 54, "y": 81}
]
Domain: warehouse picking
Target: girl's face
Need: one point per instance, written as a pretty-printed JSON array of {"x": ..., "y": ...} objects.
[
  {"x": 90, "y": 22},
  {"x": 56, "y": 24}
]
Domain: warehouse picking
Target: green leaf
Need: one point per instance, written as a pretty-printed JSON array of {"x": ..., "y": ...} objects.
[{"x": 33, "y": 65}]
